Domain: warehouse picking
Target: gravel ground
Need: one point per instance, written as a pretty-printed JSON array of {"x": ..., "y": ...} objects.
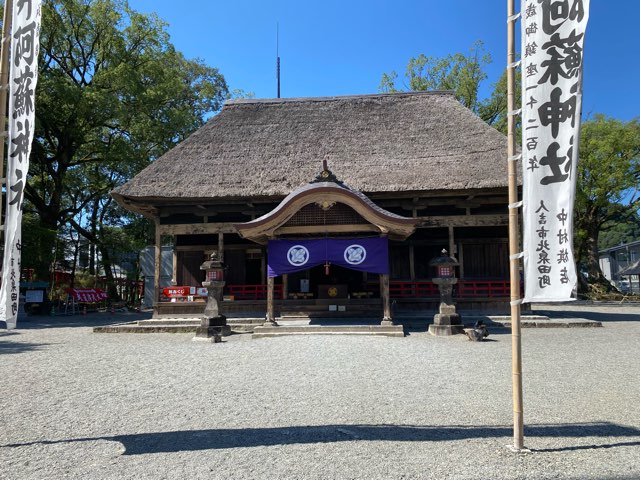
[{"x": 158, "y": 406}]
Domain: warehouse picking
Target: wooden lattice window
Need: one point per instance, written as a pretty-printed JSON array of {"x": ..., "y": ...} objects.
[{"x": 336, "y": 214}]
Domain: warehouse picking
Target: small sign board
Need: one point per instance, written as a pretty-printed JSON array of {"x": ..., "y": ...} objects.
[
  {"x": 184, "y": 291},
  {"x": 87, "y": 295},
  {"x": 174, "y": 292},
  {"x": 34, "y": 296}
]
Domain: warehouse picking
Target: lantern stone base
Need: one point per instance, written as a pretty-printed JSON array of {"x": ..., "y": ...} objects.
[
  {"x": 447, "y": 322},
  {"x": 445, "y": 330},
  {"x": 212, "y": 326},
  {"x": 204, "y": 335}
]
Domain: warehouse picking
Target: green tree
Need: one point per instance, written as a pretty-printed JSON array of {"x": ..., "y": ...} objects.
[
  {"x": 607, "y": 185},
  {"x": 608, "y": 171},
  {"x": 618, "y": 233},
  {"x": 113, "y": 94},
  {"x": 37, "y": 246},
  {"x": 463, "y": 74}
]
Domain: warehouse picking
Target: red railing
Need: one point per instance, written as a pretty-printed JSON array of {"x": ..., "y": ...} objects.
[
  {"x": 463, "y": 289},
  {"x": 483, "y": 288},
  {"x": 252, "y": 292},
  {"x": 413, "y": 289},
  {"x": 397, "y": 289}
]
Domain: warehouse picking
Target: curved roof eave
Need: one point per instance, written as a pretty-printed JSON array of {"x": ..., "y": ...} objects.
[{"x": 388, "y": 222}]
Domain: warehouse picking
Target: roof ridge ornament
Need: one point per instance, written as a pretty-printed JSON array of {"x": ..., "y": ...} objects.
[{"x": 326, "y": 175}]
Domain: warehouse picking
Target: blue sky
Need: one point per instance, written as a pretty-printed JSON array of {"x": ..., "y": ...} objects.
[{"x": 334, "y": 47}]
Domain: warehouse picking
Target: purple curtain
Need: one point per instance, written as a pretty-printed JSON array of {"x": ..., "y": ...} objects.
[{"x": 363, "y": 254}]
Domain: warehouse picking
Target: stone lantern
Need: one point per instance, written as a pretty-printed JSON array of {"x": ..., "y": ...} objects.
[
  {"x": 446, "y": 321},
  {"x": 213, "y": 324}
]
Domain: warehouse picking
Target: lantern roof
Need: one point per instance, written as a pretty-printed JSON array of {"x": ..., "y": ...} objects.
[{"x": 443, "y": 259}]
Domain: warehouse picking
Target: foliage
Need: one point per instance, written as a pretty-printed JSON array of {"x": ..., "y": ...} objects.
[
  {"x": 463, "y": 74},
  {"x": 614, "y": 233},
  {"x": 607, "y": 184},
  {"x": 113, "y": 94},
  {"x": 37, "y": 242},
  {"x": 607, "y": 198}
]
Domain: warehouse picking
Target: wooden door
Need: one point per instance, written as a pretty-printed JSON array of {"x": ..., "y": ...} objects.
[{"x": 189, "y": 273}]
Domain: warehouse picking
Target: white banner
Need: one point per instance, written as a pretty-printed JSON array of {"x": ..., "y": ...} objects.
[
  {"x": 552, "y": 47},
  {"x": 25, "y": 44}
]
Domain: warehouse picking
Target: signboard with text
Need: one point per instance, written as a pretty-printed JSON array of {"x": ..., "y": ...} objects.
[{"x": 552, "y": 52}]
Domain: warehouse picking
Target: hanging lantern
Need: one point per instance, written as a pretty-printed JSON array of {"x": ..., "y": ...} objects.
[{"x": 326, "y": 268}]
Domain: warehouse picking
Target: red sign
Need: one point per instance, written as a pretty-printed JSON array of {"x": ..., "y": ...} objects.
[
  {"x": 179, "y": 292},
  {"x": 173, "y": 292},
  {"x": 88, "y": 295}
]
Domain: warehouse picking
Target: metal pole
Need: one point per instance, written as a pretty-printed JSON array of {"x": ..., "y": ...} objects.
[
  {"x": 278, "y": 56},
  {"x": 4, "y": 87},
  {"x": 514, "y": 263}
]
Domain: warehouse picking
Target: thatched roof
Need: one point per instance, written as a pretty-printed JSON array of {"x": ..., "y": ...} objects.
[{"x": 375, "y": 143}]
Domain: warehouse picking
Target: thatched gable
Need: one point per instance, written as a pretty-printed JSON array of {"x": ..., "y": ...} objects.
[{"x": 376, "y": 143}]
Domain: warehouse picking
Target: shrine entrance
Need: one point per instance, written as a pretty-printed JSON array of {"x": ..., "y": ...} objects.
[
  {"x": 346, "y": 282},
  {"x": 329, "y": 243}
]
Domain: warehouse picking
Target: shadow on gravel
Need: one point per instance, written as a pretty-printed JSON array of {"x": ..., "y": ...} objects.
[
  {"x": 216, "y": 439},
  {"x": 89, "y": 320},
  {"x": 493, "y": 330},
  {"x": 597, "y": 316},
  {"x": 8, "y": 347}
]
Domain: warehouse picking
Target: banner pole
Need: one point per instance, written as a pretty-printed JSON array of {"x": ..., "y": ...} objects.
[
  {"x": 514, "y": 262},
  {"x": 4, "y": 88}
]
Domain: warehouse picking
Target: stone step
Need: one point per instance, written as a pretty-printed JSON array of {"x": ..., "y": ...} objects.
[
  {"x": 161, "y": 322},
  {"x": 246, "y": 328},
  {"x": 303, "y": 326},
  {"x": 287, "y": 330},
  {"x": 330, "y": 315},
  {"x": 245, "y": 321},
  {"x": 135, "y": 328}
]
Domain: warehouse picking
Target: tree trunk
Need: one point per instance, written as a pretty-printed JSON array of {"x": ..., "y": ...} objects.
[
  {"x": 93, "y": 225},
  {"x": 596, "y": 278},
  {"x": 112, "y": 290},
  {"x": 76, "y": 252}
]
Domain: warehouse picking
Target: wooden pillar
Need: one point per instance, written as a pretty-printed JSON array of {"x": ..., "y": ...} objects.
[
  {"x": 452, "y": 244},
  {"x": 263, "y": 267},
  {"x": 4, "y": 88},
  {"x": 221, "y": 246},
  {"x": 412, "y": 255},
  {"x": 387, "y": 317},
  {"x": 412, "y": 263},
  {"x": 285, "y": 286},
  {"x": 270, "y": 319},
  {"x": 174, "y": 270},
  {"x": 460, "y": 259},
  {"x": 158, "y": 264},
  {"x": 514, "y": 264}
]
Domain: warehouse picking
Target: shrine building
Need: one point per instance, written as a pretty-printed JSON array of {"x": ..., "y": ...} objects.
[{"x": 331, "y": 205}]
